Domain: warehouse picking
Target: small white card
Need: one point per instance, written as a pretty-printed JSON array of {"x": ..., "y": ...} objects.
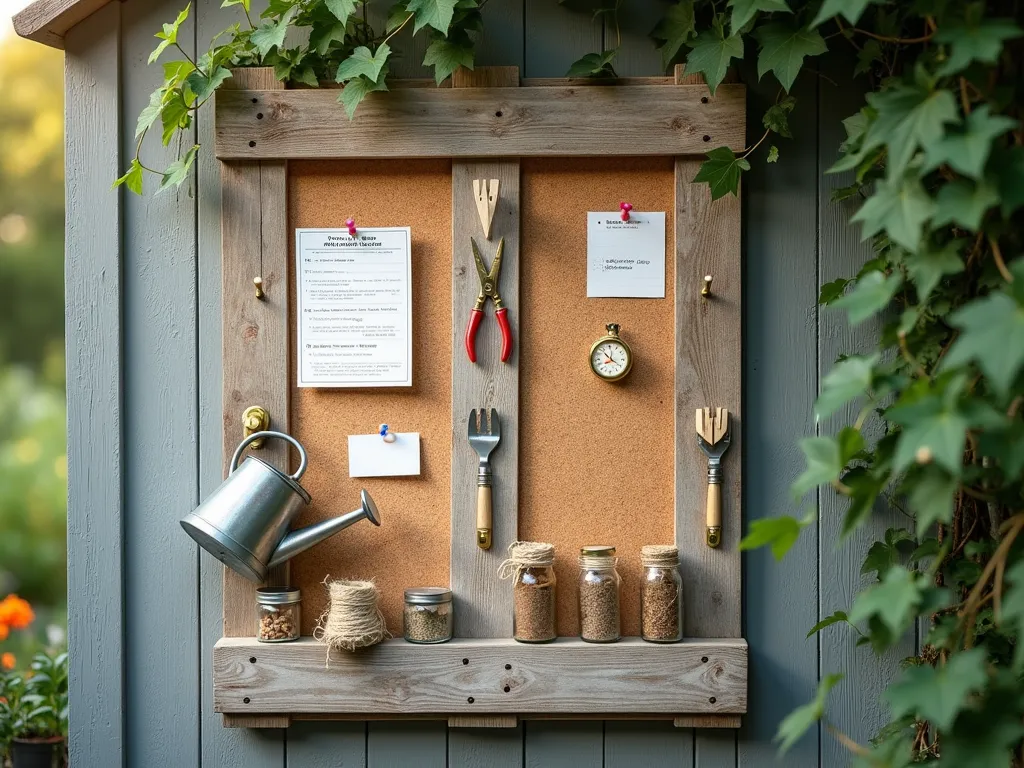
[
  {"x": 370, "y": 456},
  {"x": 626, "y": 259}
]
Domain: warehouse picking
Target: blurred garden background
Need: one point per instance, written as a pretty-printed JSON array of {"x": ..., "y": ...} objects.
[{"x": 33, "y": 462}]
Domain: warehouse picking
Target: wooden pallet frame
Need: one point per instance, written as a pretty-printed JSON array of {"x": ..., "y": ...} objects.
[{"x": 485, "y": 121}]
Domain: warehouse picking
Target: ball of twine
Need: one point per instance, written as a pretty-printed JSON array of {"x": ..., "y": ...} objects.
[
  {"x": 655, "y": 555},
  {"x": 526, "y": 554},
  {"x": 353, "y": 618}
]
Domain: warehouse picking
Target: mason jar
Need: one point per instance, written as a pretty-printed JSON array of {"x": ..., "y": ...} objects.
[
  {"x": 533, "y": 604},
  {"x": 599, "y": 590},
  {"x": 278, "y": 614},
  {"x": 428, "y": 616},
  {"x": 661, "y": 596}
]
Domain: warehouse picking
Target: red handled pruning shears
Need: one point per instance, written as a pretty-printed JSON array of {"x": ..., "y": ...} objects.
[{"x": 489, "y": 289}]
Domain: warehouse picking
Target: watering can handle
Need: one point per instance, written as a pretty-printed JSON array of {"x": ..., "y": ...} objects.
[{"x": 258, "y": 435}]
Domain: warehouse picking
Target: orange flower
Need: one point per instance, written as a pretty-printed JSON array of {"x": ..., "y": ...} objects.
[
  {"x": 7, "y": 661},
  {"x": 15, "y": 612},
  {"x": 4, "y": 631}
]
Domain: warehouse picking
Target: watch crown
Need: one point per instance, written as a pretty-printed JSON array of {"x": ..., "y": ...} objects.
[{"x": 613, "y": 328}]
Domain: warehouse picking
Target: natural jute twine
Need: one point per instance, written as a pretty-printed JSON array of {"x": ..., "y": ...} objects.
[
  {"x": 526, "y": 554},
  {"x": 353, "y": 619},
  {"x": 659, "y": 556}
]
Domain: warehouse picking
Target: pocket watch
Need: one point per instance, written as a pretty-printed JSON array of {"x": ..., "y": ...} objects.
[{"x": 610, "y": 357}]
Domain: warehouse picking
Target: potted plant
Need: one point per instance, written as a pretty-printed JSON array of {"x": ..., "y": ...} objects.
[{"x": 38, "y": 707}]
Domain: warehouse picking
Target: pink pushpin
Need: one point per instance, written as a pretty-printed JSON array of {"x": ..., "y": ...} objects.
[
  {"x": 351, "y": 224},
  {"x": 626, "y": 208}
]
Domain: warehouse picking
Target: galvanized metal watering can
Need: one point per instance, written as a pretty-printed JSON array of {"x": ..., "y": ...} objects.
[{"x": 245, "y": 522}]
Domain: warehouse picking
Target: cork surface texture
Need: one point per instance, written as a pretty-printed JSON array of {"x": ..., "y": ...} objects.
[{"x": 596, "y": 459}]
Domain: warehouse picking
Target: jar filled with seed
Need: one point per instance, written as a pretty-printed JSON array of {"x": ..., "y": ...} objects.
[
  {"x": 428, "y": 615},
  {"x": 530, "y": 565},
  {"x": 278, "y": 614},
  {"x": 661, "y": 598},
  {"x": 599, "y": 594}
]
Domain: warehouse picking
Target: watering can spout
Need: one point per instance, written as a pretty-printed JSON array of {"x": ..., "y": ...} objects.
[{"x": 304, "y": 538}]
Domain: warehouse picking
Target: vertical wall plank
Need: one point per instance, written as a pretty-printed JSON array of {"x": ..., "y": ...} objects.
[
  {"x": 654, "y": 744},
  {"x": 313, "y": 744},
  {"x": 780, "y": 364},
  {"x": 557, "y": 38},
  {"x": 160, "y": 424},
  {"x": 93, "y": 330},
  {"x": 395, "y": 744},
  {"x": 855, "y": 707},
  {"x": 638, "y": 55},
  {"x": 561, "y": 743}
]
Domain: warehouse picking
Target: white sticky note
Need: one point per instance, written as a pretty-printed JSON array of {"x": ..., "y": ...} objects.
[
  {"x": 626, "y": 259},
  {"x": 370, "y": 456}
]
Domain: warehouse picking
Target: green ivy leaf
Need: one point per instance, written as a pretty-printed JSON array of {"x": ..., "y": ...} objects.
[
  {"x": 363, "y": 63},
  {"x": 594, "y": 65},
  {"x": 305, "y": 74},
  {"x": 839, "y": 617},
  {"x": 1007, "y": 167},
  {"x": 899, "y": 207},
  {"x": 937, "y": 694},
  {"x": 802, "y": 719},
  {"x": 848, "y": 379},
  {"x": 722, "y": 172},
  {"x": 773, "y": 154},
  {"x": 780, "y": 533},
  {"x": 149, "y": 115},
  {"x": 909, "y": 116},
  {"x": 867, "y": 56},
  {"x": 967, "y": 151},
  {"x": 674, "y": 30},
  {"x": 169, "y": 34},
  {"x": 322, "y": 35},
  {"x": 744, "y": 10},
  {"x": 341, "y": 9},
  {"x": 175, "y": 73},
  {"x": 204, "y": 85},
  {"x": 177, "y": 171},
  {"x": 826, "y": 457},
  {"x": 930, "y": 431},
  {"x": 446, "y": 55},
  {"x": 893, "y": 600},
  {"x": 132, "y": 179},
  {"x": 981, "y": 41},
  {"x": 358, "y": 88},
  {"x": 927, "y": 268},
  {"x": 887, "y": 554},
  {"x": 271, "y": 33},
  {"x": 229, "y": 3},
  {"x": 711, "y": 53},
  {"x": 832, "y": 291},
  {"x": 776, "y": 117},
  {"x": 783, "y": 48},
  {"x": 433, "y": 13},
  {"x": 175, "y": 115},
  {"x": 964, "y": 203},
  {"x": 851, "y": 10},
  {"x": 1013, "y": 608},
  {"x": 871, "y": 294},
  {"x": 991, "y": 336},
  {"x": 931, "y": 498}
]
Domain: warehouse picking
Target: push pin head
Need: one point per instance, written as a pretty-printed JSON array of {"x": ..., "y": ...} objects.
[
  {"x": 626, "y": 208},
  {"x": 386, "y": 436},
  {"x": 258, "y": 282},
  {"x": 706, "y": 290},
  {"x": 351, "y": 224}
]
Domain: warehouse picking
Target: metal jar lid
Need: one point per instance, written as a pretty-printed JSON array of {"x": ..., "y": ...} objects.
[
  {"x": 428, "y": 595},
  {"x": 598, "y": 550},
  {"x": 277, "y": 595}
]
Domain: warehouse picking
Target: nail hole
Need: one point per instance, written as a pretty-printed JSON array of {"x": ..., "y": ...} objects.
[
  {"x": 470, "y": 699},
  {"x": 498, "y": 113},
  {"x": 703, "y": 99},
  {"x": 465, "y": 661},
  {"x": 712, "y": 699},
  {"x": 246, "y": 700},
  {"x": 707, "y": 138},
  {"x": 255, "y": 100},
  {"x": 508, "y": 666},
  {"x": 703, "y": 659},
  {"x": 252, "y": 659},
  {"x": 507, "y": 689},
  {"x": 259, "y": 115},
  {"x": 253, "y": 143}
]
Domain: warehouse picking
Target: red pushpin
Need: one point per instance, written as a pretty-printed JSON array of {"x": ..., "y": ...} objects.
[
  {"x": 626, "y": 208},
  {"x": 351, "y": 224}
]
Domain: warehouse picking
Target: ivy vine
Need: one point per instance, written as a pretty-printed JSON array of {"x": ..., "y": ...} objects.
[{"x": 935, "y": 162}]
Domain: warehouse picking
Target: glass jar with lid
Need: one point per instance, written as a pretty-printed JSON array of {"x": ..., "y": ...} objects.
[
  {"x": 531, "y": 566},
  {"x": 428, "y": 616},
  {"x": 661, "y": 598},
  {"x": 278, "y": 614},
  {"x": 600, "y": 586}
]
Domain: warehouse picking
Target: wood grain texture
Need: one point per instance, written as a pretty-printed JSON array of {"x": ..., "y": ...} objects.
[
  {"x": 160, "y": 423},
  {"x": 558, "y": 744},
  {"x": 483, "y": 602},
  {"x": 557, "y": 37},
  {"x": 465, "y": 676},
  {"x": 484, "y": 721},
  {"x": 93, "y": 329},
  {"x": 486, "y": 747},
  {"x": 326, "y": 745},
  {"x": 656, "y": 744},
  {"x": 391, "y": 745},
  {"x": 708, "y": 721},
  {"x": 48, "y": 21},
  {"x": 480, "y": 122}
]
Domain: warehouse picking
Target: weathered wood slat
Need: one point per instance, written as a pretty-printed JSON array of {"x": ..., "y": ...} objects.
[
  {"x": 481, "y": 122},
  {"x": 470, "y": 676},
  {"x": 48, "y": 21}
]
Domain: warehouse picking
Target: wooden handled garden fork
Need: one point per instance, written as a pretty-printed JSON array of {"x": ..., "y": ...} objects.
[{"x": 714, "y": 439}]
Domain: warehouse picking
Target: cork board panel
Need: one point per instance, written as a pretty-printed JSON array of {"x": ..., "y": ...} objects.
[
  {"x": 411, "y": 547},
  {"x": 596, "y": 458}
]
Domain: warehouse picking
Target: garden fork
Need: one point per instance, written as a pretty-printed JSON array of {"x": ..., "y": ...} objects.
[
  {"x": 484, "y": 438},
  {"x": 714, "y": 439}
]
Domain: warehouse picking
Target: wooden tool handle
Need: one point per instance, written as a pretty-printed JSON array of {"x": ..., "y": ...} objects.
[
  {"x": 714, "y": 515},
  {"x": 483, "y": 516}
]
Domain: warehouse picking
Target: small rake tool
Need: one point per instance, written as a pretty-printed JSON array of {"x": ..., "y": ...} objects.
[
  {"x": 484, "y": 439},
  {"x": 714, "y": 439}
]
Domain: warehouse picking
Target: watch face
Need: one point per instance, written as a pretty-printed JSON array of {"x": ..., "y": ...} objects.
[{"x": 610, "y": 360}]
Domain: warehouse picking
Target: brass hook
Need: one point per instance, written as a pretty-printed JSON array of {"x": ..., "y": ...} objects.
[
  {"x": 706, "y": 290},
  {"x": 258, "y": 282},
  {"x": 255, "y": 419}
]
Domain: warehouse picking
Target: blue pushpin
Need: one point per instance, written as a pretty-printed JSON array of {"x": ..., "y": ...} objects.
[{"x": 386, "y": 436}]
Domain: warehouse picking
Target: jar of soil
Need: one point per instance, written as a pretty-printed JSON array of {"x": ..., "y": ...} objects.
[
  {"x": 428, "y": 615},
  {"x": 278, "y": 616},
  {"x": 599, "y": 595},
  {"x": 530, "y": 565},
  {"x": 661, "y": 598}
]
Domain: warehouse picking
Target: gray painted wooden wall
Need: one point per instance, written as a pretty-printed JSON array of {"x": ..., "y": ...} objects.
[{"x": 144, "y": 373}]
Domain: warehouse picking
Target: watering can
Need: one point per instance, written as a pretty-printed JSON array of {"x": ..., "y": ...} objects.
[{"x": 245, "y": 522}]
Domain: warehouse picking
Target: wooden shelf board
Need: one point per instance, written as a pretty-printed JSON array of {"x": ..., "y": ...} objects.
[{"x": 470, "y": 676}]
